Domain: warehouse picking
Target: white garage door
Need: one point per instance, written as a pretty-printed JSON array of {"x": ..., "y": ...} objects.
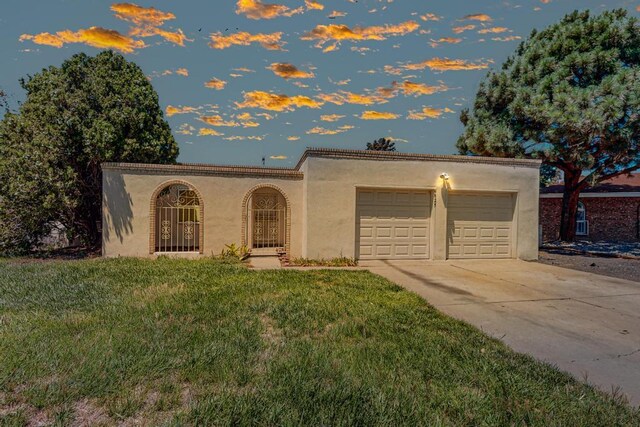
[
  {"x": 393, "y": 224},
  {"x": 480, "y": 225}
]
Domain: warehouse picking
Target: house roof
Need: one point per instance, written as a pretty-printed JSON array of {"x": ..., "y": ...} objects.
[
  {"x": 337, "y": 153},
  {"x": 618, "y": 184},
  {"x": 206, "y": 169},
  {"x": 294, "y": 173}
]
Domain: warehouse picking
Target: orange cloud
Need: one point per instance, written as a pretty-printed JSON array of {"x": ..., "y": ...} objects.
[
  {"x": 216, "y": 84},
  {"x": 449, "y": 40},
  {"x": 344, "y": 97},
  {"x": 278, "y": 157},
  {"x": 493, "y": 30},
  {"x": 268, "y": 41},
  {"x": 95, "y": 36},
  {"x": 416, "y": 89},
  {"x": 247, "y": 120},
  {"x": 218, "y": 121},
  {"x": 276, "y": 102},
  {"x": 311, "y": 4},
  {"x": 172, "y": 111},
  {"x": 430, "y": 17},
  {"x": 462, "y": 29},
  {"x": 446, "y": 64},
  {"x": 336, "y": 14},
  {"x": 428, "y": 113},
  {"x": 186, "y": 129},
  {"x": 378, "y": 115},
  {"x": 482, "y": 17},
  {"x": 338, "y": 33},
  {"x": 183, "y": 72},
  {"x": 322, "y": 131},
  {"x": 255, "y": 9},
  {"x": 147, "y": 21},
  {"x": 331, "y": 117},
  {"x": 289, "y": 71},
  {"x": 293, "y": 138},
  {"x": 209, "y": 132}
]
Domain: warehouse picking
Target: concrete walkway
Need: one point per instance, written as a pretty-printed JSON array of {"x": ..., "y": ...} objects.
[{"x": 583, "y": 323}]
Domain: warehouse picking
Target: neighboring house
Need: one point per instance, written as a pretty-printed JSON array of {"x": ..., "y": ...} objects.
[
  {"x": 360, "y": 204},
  {"x": 608, "y": 211}
]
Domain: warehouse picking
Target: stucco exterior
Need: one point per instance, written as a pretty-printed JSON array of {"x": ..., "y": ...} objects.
[{"x": 321, "y": 194}]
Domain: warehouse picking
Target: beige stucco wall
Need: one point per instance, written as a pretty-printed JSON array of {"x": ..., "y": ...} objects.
[
  {"x": 330, "y": 199},
  {"x": 127, "y": 201}
]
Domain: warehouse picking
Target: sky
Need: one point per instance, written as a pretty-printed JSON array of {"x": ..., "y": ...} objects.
[{"x": 243, "y": 80}]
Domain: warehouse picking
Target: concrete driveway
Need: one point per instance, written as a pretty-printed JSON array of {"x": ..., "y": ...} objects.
[{"x": 583, "y": 323}]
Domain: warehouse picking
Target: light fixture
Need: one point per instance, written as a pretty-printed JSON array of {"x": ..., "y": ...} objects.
[{"x": 444, "y": 176}]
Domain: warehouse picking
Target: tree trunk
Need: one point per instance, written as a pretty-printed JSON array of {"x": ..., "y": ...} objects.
[{"x": 570, "y": 200}]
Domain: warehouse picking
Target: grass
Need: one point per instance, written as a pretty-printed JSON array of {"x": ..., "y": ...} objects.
[
  {"x": 332, "y": 262},
  {"x": 175, "y": 342}
]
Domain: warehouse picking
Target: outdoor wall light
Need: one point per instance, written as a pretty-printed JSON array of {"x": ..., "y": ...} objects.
[{"x": 444, "y": 176}]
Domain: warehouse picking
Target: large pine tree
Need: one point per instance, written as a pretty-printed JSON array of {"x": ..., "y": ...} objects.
[{"x": 570, "y": 95}]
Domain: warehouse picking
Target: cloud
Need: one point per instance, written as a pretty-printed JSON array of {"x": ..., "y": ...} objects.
[
  {"x": 209, "y": 132},
  {"x": 331, "y": 117},
  {"x": 186, "y": 129},
  {"x": 336, "y": 14},
  {"x": 217, "y": 120},
  {"x": 276, "y": 102},
  {"x": 98, "y": 37},
  {"x": 183, "y": 72},
  {"x": 416, "y": 89},
  {"x": 482, "y": 17},
  {"x": 449, "y": 40},
  {"x": 506, "y": 39},
  {"x": 172, "y": 111},
  {"x": 255, "y": 9},
  {"x": 428, "y": 113},
  {"x": 268, "y": 41},
  {"x": 338, "y": 33},
  {"x": 462, "y": 29},
  {"x": 216, "y": 84},
  {"x": 247, "y": 120},
  {"x": 278, "y": 157},
  {"x": 430, "y": 17},
  {"x": 311, "y": 4},
  {"x": 345, "y": 97},
  {"x": 378, "y": 115},
  {"x": 446, "y": 64},
  {"x": 322, "y": 131},
  {"x": 147, "y": 21},
  {"x": 493, "y": 30},
  {"x": 293, "y": 138},
  {"x": 289, "y": 71}
]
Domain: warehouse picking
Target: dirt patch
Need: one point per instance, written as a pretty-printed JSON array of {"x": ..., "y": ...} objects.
[{"x": 628, "y": 269}]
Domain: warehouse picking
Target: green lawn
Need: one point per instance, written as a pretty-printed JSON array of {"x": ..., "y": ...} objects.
[{"x": 203, "y": 342}]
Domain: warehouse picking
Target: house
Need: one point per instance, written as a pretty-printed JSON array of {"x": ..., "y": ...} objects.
[
  {"x": 334, "y": 202},
  {"x": 608, "y": 211}
]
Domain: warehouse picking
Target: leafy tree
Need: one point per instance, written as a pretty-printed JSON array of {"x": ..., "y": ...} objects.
[
  {"x": 382, "y": 144},
  {"x": 88, "y": 111},
  {"x": 569, "y": 95},
  {"x": 548, "y": 175}
]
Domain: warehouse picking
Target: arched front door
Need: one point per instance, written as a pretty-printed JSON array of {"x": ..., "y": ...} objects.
[{"x": 266, "y": 215}]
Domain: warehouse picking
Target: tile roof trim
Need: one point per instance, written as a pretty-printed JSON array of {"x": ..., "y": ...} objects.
[{"x": 338, "y": 153}]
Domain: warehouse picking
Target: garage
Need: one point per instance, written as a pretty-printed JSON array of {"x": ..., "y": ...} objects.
[
  {"x": 393, "y": 224},
  {"x": 480, "y": 225}
]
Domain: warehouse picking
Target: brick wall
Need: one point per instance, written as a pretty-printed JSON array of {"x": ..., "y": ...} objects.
[{"x": 610, "y": 218}]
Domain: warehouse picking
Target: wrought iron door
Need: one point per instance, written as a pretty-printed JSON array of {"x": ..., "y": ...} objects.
[
  {"x": 177, "y": 220},
  {"x": 268, "y": 219}
]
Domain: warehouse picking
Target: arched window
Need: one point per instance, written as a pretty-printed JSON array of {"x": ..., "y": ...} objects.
[
  {"x": 177, "y": 222},
  {"x": 266, "y": 221},
  {"x": 582, "y": 225}
]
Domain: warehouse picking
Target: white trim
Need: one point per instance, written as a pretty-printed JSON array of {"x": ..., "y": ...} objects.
[
  {"x": 393, "y": 187},
  {"x": 622, "y": 194}
]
